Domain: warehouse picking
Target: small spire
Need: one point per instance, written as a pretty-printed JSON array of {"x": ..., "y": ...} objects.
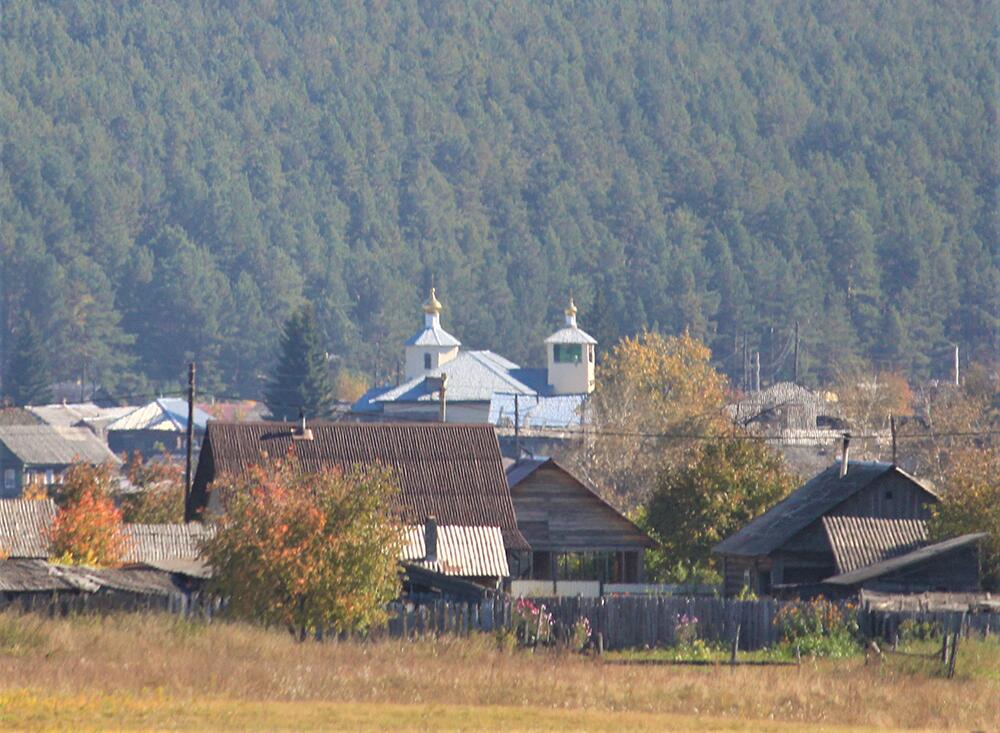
[
  {"x": 433, "y": 306},
  {"x": 571, "y": 313}
]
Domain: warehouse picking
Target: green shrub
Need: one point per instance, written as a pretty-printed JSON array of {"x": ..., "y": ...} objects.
[{"x": 819, "y": 628}]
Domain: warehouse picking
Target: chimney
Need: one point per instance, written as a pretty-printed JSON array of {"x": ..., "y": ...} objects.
[
  {"x": 431, "y": 539},
  {"x": 301, "y": 432},
  {"x": 844, "y": 455}
]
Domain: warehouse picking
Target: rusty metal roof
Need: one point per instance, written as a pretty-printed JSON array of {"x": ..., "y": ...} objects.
[
  {"x": 806, "y": 504},
  {"x": 474, "y": 552},
  {"x": 922, "y": 554},
  {"x": 450, "y": 471},
  {"x": 24, "y": 527},
  {"x": 860, "y": 541}
]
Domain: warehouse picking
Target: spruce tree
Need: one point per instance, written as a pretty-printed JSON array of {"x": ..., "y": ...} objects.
[
  {"x": 301, "y": 379},
  {"x": 26, "y": 381}
]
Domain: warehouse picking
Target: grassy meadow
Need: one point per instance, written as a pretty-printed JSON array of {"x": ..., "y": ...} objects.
[{"x": 149, "y": 672}]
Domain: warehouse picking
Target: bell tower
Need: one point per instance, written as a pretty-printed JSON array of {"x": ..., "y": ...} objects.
[
  {"x": 571, "y": 352},
  {"x": 433, "y": 346}
]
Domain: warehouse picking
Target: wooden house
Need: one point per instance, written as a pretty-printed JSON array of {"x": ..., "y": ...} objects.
[
  {"x": 157, "y": 428},
  {"x": 40, "y": 454},
  {"x": 573, "y": 533},
  {"x": 795, "y": 545},
  {"x": 450, "y": 473}
]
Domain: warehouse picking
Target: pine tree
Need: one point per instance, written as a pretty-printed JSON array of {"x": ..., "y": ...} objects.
[
  {"x": 26, "y": 381},
  {"x": 301, "y": 380}
]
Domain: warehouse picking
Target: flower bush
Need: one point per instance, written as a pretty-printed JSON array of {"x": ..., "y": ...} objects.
[
  {"x": 532, "y": 624},
  {"x": 580, "y": 635},
  {"x": 819, "y": 628},
  {"x": 685, "y": 629}
]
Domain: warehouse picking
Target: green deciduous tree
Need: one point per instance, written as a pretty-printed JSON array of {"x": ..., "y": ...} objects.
[
  {"x": 720, "y": 486},
  {"x": 301, "y": 379},
  {"x": 307, "y": 551}
]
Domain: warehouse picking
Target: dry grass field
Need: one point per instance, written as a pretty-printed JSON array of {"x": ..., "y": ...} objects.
[{"x": 159, "y": 673}]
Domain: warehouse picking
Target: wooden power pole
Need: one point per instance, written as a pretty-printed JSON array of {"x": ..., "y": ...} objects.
[{"x": 190, "y": 445}]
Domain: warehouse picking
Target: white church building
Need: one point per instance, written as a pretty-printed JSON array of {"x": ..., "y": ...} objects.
[{"x": 482, "y": 386}]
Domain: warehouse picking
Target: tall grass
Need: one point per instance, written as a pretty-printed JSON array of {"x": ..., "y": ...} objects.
[{"x": 165, "y": 656}]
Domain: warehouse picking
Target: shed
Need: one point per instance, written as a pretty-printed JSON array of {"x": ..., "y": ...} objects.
[
  {"x": 155, "y": 427},
  {"x": 574, "y": 534},
  {"x": 789, "y": 545},
  {"x": 471, "y": 552},
  {"x": 950, "y": 566}
]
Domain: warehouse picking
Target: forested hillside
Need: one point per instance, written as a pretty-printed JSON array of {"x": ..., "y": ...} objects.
[{"x": 176, "y": 177}]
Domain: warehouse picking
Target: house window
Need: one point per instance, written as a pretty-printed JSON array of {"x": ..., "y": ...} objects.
[
  {"x": 9, "y": 480},
  {"x": 888, "y": 496},
  {"x": 567, "y": 353},
  {"x": 50, "y": 476},
  {"x": 427, "y": 361}
]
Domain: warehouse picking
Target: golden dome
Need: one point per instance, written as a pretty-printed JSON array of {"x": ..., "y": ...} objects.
[
  {"x": 433, "y": 305},
  {"x": 571, "y": 308}
]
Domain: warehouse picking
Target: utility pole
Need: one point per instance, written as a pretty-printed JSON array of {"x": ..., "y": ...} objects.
[
  {"x": 190, "y": 445},
  {"x": 795, "y": 373},
  {"x": 517, "y": 428},
  {"x": 892, "y": 429},
  {"x": 957, "y": 384},
  {"x": 746, "y": 364}
]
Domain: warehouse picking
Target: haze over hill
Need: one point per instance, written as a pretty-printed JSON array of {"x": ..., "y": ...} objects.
[{"x": 175, "y": 177}]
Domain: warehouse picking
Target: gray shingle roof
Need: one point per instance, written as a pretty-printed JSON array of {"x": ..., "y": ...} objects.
[
  {"x": 31, "y": 576},
  {"x": 870, "y": 572},
  {"x": 24, "y": 527},
  {"x": 47, "y": 445},
  {"x": 860, "y": 541},
  {"x": 806, "y": 504}
]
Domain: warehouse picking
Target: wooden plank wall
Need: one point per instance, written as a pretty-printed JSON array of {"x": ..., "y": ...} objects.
[{"x": 556, "y": 512}]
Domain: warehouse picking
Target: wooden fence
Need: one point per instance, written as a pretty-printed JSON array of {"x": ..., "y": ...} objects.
[{"x": 651, "y": 621}]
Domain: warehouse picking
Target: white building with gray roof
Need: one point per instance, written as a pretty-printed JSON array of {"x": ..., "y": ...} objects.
[{"x": 479, "y": 384}]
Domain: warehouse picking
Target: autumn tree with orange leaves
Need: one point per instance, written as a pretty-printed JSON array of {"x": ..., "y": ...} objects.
[
  {"x": 307, "y": 551},
  {"x": 653, "y": 393},
  {"x": 87, "y": 529}
]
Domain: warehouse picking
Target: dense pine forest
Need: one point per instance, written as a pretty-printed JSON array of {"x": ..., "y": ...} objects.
[{"x": 177, "y": 177}]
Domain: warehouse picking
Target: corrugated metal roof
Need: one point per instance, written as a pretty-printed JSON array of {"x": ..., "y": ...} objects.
[
  {"x": 68, "y": 414},
  {"x": 166, "y": 413},
  {"x": 870, "y": 572},
  {"x": 860, "y": 541},
  {"x": 24, "y": 527},
  {"x": 47, "y": 445},
  {"x": 806, "y": 504},
  {"x": 146, "y": 543},
  {"x": 471, "y": 552},
  {"x": 557, "y": 411},
  {"x": 449, "y": 471}
]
